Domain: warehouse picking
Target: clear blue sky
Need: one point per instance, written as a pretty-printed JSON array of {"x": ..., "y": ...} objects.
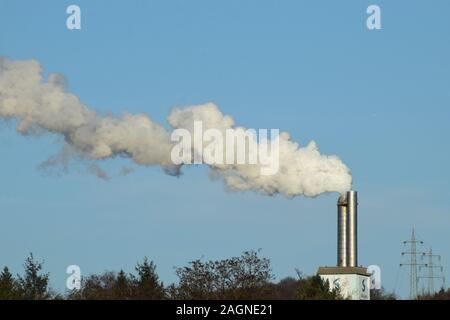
[{"x": 378, "y": 99}]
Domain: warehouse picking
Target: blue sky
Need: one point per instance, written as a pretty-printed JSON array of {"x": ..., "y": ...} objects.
[{"x": 378, "y": 99}]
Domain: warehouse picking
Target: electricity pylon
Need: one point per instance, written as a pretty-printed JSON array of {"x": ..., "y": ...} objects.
[
  {"x": 413, "y": 264},
  {"x": 432, "y": 266}
]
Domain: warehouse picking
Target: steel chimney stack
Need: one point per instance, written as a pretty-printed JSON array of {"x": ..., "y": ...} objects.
[
  {"x": 352, "y": 281},
  {"x": 342, "y": 232},
  {"x": 347, "y": 208},
  {"x": 352, "y": 229}
]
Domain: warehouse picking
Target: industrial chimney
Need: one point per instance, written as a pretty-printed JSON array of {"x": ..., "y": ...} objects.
[
  {"x": 347, "y": 233},
  {"x": 352, "y": 229},
  {"x": 342, "y": 232},
  {"x": 353, "y": 281}
]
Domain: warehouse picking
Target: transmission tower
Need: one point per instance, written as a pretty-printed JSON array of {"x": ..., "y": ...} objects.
[
  {"x": 413, "y": 264},
  {"x": 431, "y": 266}
]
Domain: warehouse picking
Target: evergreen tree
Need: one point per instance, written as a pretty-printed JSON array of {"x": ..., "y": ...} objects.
[
  {"x": 33, "y": 285},
  {"x": 147, "y": 284},
  {"x": 8, "y": 286},
  {"x": 122, "y": 286}
]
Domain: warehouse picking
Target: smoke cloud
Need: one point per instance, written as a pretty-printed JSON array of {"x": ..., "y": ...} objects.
[{"x": 40, "y": 105}]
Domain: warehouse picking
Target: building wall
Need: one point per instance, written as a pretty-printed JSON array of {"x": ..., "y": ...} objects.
[{"x": 352, "y": 286}]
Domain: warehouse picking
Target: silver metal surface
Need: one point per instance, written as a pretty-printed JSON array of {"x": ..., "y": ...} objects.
[
  {"x": 352, "y": 229},
  {"x": 342, "y": 232}
]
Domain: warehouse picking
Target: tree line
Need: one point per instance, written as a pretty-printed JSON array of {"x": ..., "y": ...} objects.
[{"x": 248, "y": 276}]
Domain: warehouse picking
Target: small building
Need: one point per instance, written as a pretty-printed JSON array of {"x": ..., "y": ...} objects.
[{"x": 352, "y": 282}]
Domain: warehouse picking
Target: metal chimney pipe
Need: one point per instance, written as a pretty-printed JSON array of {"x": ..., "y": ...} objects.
[
  {"x": 352, "y": 228},
  {"x": 342, "y": 232}
]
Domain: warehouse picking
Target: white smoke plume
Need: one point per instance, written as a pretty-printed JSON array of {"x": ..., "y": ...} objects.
[{"x": 44, "y": 105}]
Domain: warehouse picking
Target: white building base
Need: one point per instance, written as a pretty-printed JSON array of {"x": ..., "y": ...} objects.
[{"x": 352, "y": 282}]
